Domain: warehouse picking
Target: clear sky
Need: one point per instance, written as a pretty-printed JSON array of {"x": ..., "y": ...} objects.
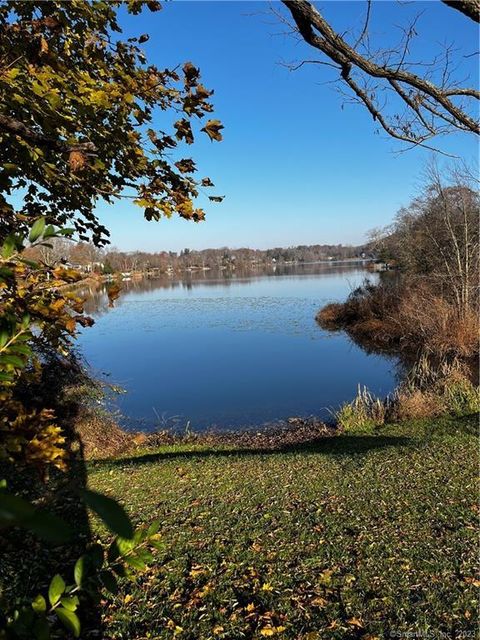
[{"x": 294, "y": 166}]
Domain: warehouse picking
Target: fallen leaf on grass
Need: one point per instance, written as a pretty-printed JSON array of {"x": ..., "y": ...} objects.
[{"x": 355, "y": 622}]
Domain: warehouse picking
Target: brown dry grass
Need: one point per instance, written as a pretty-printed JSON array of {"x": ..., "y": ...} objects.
[
  {"x": 416, "y": 404},
  {"x": 101, "y": 436},
  {"x": 429, "y": 390},
  {"x": 409, "y": 316},
  {"x": 425, "y": 318},
  {"x": 331, "y": 316}
]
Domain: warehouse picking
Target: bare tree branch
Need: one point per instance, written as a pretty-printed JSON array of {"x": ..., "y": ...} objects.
[
  {"x": 365, "y": 25},
  {"x": 431, "y": 107}
]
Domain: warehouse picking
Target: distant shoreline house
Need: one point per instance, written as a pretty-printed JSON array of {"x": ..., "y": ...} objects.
[
  {"x": 381, "y": 265},
  {"x": 90, "y": 267}
]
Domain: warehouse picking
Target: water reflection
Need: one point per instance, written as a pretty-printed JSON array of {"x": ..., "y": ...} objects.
[
  {"x": 96, "y": 294},
  {"x": 230, "y": 349}
]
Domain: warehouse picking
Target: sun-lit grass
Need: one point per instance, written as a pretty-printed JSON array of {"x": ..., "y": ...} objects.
[{"x": 356, "y": 536}]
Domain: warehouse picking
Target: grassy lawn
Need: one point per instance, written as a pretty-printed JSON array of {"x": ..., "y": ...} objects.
[{"x": 349, "y": 537}]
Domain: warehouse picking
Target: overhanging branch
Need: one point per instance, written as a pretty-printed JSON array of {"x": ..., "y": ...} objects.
[
  {"x": 469, "y": 8},
  {"x": 13, "y": 126},
  {"x": 421, "y": 96}
]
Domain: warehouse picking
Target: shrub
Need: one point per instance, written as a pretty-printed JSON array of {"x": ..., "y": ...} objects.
[
  {"x": 408, "y": 315},
  {"x": 363, "y": 414},
  {"x": 331, "y": 316},
  {"x": 428, "y": 391}
]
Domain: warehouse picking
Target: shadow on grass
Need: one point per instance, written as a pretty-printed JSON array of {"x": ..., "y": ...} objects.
[
  {"x": 467, "y": 424},
  {"x": 28, "y": 563},
  {"x": 342, "y": 445}
]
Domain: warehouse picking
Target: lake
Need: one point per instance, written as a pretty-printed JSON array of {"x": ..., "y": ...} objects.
[{"x": 230, "y": 351}]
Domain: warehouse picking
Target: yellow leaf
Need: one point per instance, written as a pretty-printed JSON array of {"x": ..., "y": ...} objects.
[
  {"x": 473, "y": 581},
  {"x": 267, "y": 587},
  {"x": 196, "y": 570},
  {"x": 355, "y": 622},
  {"x": 326, "y": 576},
  {"x": 212, "y": 129}
]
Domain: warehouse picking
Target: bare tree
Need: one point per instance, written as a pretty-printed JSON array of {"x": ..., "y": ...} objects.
[
  {"x": 412, "y": 101},
  {"x": 56, "y": 250},
  {"x": 437, "y": 236}
]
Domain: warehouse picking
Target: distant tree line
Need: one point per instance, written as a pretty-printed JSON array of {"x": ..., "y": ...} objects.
[{"x": 87, "y": 257}]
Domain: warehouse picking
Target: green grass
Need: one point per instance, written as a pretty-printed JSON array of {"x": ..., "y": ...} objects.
[{"x": 367, "y": 536}]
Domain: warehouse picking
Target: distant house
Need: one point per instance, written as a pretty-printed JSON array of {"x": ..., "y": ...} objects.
[
  {"x": 86, "y": 268},
  {"x": 379, "y": 265}
]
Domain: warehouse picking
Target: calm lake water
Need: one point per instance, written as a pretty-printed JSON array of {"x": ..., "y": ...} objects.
[{"x": 230, "y": 351}]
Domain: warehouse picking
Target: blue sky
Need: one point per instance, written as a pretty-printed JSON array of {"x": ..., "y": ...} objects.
[{"x": 294, "y": 166}]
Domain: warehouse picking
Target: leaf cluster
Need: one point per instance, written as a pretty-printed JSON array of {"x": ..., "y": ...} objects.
[
  {"x": 95, "y": 574},
  {"x": 79, "y": 105}
]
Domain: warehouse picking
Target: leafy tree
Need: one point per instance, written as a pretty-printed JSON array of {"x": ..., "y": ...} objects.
[
  {"x": 76, "y": 121},
  {"x": 76, "y": 127}
]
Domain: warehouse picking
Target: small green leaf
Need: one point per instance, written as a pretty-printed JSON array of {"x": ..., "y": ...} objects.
[
  {"x": 9, "y": 246},
  {"x": 79, "y": 571},
  {"x": 153, "y": 528},
  {"x": 70, "y": 602},
  {"x": 22, "y": 348},
  {"x": 12, "y": 360},
  {"x": 30, "y": 263},
  {"x": 135, "y": 562},
  {"x": 37, "y": 229},
  {"x": 14, "y": 510},
  {"x": 56, "y": 589},
  {"x": 39, "y": 604},
  {"x": 48, "y": 527},
  {"x": 112, "y": 513},
  {"x": 159, "y": 545},
  {"x": 144, "y": 555},
  {"x": 5, "y": 273},
  {"x": 124, "y": 546},
  {"x": 70, "y": 620}
]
